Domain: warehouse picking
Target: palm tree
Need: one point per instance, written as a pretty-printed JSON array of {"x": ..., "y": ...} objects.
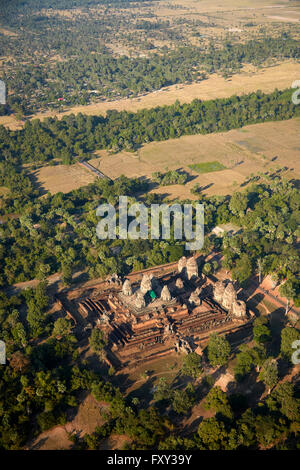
[
  {"x": 259, "y": 266},
  {"x": 287, "y": 290}
]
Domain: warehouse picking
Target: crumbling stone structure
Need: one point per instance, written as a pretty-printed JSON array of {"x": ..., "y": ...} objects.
[
  {"x": 179, "y": 283},
  {"x": 229, "y": 296},
  {"x": 126, "y": 289},
  {"x": 165, "y": 294},
  {"x": 238, "y": 309},
  {"x": 146, "y": 284},
  {"x": 191, "y": 268},
  {"x": 219, "y": 289},
  {"x": 182, "y": 264},
  {"x": 194, "y": 298},
  {"x": 140, "y": 300},
  {"x": 152, "y": 322},
  {"x": 181, "y": 345}
]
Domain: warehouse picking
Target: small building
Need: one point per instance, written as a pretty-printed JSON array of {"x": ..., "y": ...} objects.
[{"x": 229, "y": 229}]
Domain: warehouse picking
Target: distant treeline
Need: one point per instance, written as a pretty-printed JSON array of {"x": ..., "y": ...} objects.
[
  {"x": 42, "y": 141},
  {"x": 94, "y": 76},
  {"x": 15, "y": 6}
]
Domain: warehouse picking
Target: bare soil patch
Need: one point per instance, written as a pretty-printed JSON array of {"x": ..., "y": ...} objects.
[
  {"x": 84, "y": 422},
  {"x": 224, "y": 380},
  {"x": 115, "y": 441}
]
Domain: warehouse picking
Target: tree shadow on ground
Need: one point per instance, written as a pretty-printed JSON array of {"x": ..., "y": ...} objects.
[
  {"x": 39, "y": 444},
  {"x": 249, "y": 387},
  {"x": 80, "y": 278},
  {"x": 284, "y": 367},
  {"x": 250, "y": 287},
  {"x": 145, "y": 392},
  {"x": 122, "y": 381},
  {"x": 36, "y": 183},
  {"x": 254, "y": 302},
  {"x": 277, "y": 323},
  {"x": 236, "y": 338},
  {"x": 71, "y": 412},
  {"x": 96, "y": 364}
]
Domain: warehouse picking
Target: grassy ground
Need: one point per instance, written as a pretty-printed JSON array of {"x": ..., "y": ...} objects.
[{"x": 207, "y": 167}]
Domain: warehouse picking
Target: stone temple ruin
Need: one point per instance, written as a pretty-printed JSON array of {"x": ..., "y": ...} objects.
[
  {"x": 147, "y": 316},
  {"x": 226, "y": 296}
]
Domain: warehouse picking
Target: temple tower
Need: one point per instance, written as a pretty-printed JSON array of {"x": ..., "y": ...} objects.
[
  {"x": 165, "y": 294},
  {"x": 191, "y": 268},
  {"x": 126, "y": 289},
  {"x": 229, "y": 296},
  {"x": 219, "y": 289}
]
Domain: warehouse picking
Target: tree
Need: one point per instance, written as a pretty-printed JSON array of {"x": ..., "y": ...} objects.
[
  {"x": 218, "y": 401},
  {"x": 246, "y": 428},
  {"x": 289, "y": 404},
  {"x": 288, "y": 336},
  {"x": 97, "y": 340},
  {"x": 192, "y": 365},
  {"x": 288, "y": 291},
  {"x": 269, "y": 373},
  {"x": 207, "y": 269},
  {"x": 238, "y": 203},
  {"x": 66, "y": 274},
  {"x": 267, "y": 430},
  {"x": 261, "y": 332},
  {"x": 218, "y": 350},
  {"x": 62, "y": 327},
  {"x": 259, "y": 267},
  {"x": 35, "y": 318},
  {"x": 19, "y": 334},
  {"x": 171, "y": 442},
  {"x": 163, "y": 390},
  {"x": 212, "y": 434},
  {"x": 244, "y": 362},
  {"x": 19, "y": 362},
  {"x": 183, "y": 400},
  {"x": 43, "y": 271},
  {"x": 259, "y": 355},
  {"x": 242, "y": 269}
]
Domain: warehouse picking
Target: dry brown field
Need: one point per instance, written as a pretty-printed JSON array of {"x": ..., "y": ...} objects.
[
  {"x": 242, "y": 151},
  {"x": 62, "y": 178}
]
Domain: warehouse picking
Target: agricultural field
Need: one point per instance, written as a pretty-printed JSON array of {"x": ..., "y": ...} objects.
[
  {"x": 250, "y": 150},
  {"x": 62, "y": 178}
]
